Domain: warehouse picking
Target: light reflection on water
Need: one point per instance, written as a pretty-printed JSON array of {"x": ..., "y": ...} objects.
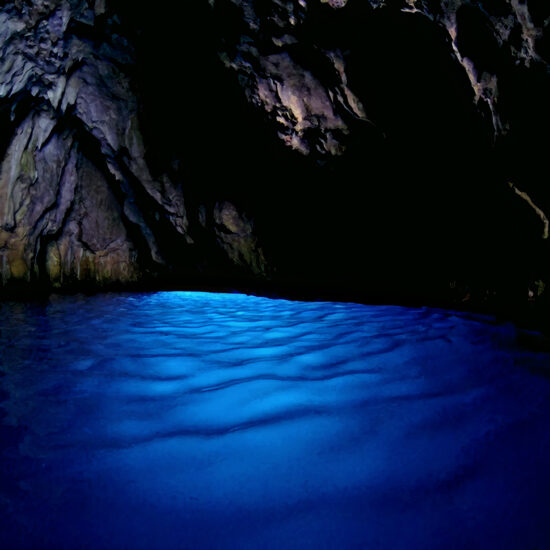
[{"x": 196, "y": 420}]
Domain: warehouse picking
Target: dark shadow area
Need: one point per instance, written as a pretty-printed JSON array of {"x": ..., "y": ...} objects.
[{"x": 416, "y": 209}]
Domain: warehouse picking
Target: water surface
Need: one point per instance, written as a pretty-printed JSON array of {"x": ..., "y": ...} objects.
[{"x": 179, "y": 420}]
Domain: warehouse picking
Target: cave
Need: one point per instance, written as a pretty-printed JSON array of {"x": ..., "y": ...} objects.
[{"x": 274, "y": 274}]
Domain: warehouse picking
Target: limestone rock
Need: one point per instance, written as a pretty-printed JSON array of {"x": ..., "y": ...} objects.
[
  {"x": 312, "y": 108},
  {"x": 73, "y": 124},
  {"x": 235, "y": 233},
  {"x": 304, "y": 78},
  {"x": 78, "y": 201},
  {"x": 82, "y": 200}
]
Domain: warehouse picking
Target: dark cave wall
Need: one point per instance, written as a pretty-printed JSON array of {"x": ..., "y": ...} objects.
[
  {"x": 392, "y": 146},
  {"x": 424, "y": 123},
  {"x": 74, "y": 155},
  {"x": 292, "y": 58},
  {"x": 78, "y": 201}
]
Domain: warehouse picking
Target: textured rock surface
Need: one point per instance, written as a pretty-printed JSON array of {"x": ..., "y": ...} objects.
[
  {"x": 75, "y": 152},
  {"x": 312, "y": 109},
  {"x": 77, "y": 199},
  {"x": 299, "y": 62},
  {"x": 101, "y": 142},
  {"x": 235, "y": 235},
  {"x": 309, "y": 96}
]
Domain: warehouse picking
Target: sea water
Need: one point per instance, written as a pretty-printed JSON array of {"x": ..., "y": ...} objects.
[{"x": 189, "y": 420}]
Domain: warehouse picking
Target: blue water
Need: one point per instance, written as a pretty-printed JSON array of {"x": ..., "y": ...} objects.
[{"x": 194, "y": 421}]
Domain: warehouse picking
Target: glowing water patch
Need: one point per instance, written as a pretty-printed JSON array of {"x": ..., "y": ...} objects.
[{"x": 196, "y": 420}]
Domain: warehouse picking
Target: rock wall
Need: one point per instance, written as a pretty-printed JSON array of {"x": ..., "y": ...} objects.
[
  {"x": 77, "y": 198},
  {"x": 95, "y": 187},
  {"x": 290, "y": 64},
  {"x": 74, "y": 148},
  {"x": 313, "y": 68}
]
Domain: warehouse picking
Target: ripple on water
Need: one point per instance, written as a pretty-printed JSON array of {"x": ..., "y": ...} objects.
[{"x": 196, "y": 420}]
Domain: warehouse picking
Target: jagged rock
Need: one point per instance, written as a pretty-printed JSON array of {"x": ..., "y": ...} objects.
[
  {"x": 300, "y": 99},
  {"x": 511, "y": 27},
  {"x": 77, "y": 198},
  {"x": 85, "y": 194},
  {"x": 60, "y": 220},
  {"x": 312, "y": 110},
  {"x": 75, "y": 188},
  {"x": 305, "y": 79},
  {"x": 235, "y": 234}
]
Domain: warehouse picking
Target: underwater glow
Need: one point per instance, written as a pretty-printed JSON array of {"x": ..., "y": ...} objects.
[{"x": 192, "y": 420}]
